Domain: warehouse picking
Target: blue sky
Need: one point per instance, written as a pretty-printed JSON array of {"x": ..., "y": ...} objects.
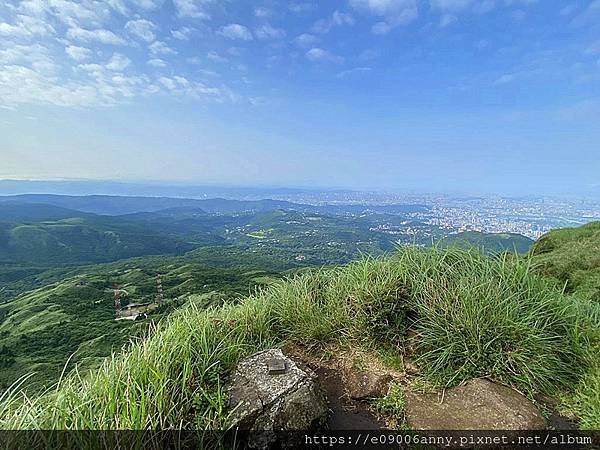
[{"x": 463, "y": 95}]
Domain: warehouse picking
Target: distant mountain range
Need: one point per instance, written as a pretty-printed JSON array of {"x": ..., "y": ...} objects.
[{"x": 118, "y": 205}]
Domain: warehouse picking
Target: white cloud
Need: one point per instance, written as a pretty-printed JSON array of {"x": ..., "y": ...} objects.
[
  {"x": 236, "y": 31},
  {"x": 381, "y": 28},
  {"x": 301, "y": 7},
  {"x": 36, "y": 56},
  {"x": 568, "y": 10},
  {"x": 118, "y": 6},
  {"x": 78, "y": 53},
  {"x": 476, "y": 6},
  {"x": 337, "y": 19},
  {"x": 26, "y": 27},
  {"x": 393, "y": 12},
  {"x": 352, "y": 73},
  {"x": 86, "y": 13},
  {"x": 449, "y": 5},
  {"x": 589, "y": 15},
  {"x": 142, "y": 29},
  {"x": 506, "y": 78},
  {"x": 383, "y": 7},
  {"x": 192, "y": 8},
  {"x": 156, "y": 62},
  {"x": 148, "y": 4},
  {"x": 174, "y": 82},
  {"x": 447, "y": 19},
  {"x": 306, "y": 40},
  {"x": 6, "y": 29},
  {"x": 160, "y": 48},
  {"x": 267, "y": 32},
  {"x": 183, "y": 33},
  {"x": 118, "y": 62},
  {"x": 19, "y": 84},
  {"x": 214, "y": 56},
  {"x": 99, "y": 35},
  {"x": 320, "y": 55},
  {"x": 99, "y": 87},
  {"x": 262, "y": 12}
]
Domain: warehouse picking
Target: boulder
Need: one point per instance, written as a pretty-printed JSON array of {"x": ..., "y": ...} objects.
[
  {"x": 269, "y": 393},
  {"x": 361, "y": 385},
  {"x": 478, "y": 405}
]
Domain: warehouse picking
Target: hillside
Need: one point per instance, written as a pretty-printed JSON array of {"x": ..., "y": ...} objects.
[
  {"x": 572, "y": 256},
  {"x": 74, "y": 317},
  {"x": 458, "y": 314},
  {"x": 43, "y": 239},
  {"x": 490, "y": 242}
]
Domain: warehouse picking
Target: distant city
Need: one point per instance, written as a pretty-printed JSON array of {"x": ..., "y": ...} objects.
[
  {"x": 450, "y": 213},
  {"x": 528, "y": 216}
]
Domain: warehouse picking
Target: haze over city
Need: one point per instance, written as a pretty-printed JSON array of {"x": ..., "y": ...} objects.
[{"x": 496, "y": 96}]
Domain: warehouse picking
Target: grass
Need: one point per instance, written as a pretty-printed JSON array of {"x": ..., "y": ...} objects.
[
  {"x": 393, "y": 405},
  {"x": 472, "y": 315}
]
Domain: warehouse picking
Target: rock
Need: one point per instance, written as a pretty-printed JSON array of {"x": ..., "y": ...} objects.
[
  {"x": 361, "y": 385},
  {"x": 478, "y": 405},
  {"x": 410, "y": 367},
  {"x": 270, "y": 393}
]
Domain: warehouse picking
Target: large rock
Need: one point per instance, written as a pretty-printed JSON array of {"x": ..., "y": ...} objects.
[
  {"x": 361, "y": 385},
  {"x": 478, "y": 405},
  {"x": 270, "y": 393}
]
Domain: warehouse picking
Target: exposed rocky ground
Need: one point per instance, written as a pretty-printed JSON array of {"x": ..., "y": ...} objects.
[{"x": 275, "y": 391}]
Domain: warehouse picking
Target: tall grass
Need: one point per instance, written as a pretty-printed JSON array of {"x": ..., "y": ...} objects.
[{"x": 473, "y": 316}]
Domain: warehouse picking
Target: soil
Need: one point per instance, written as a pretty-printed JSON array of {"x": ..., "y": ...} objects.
[{"x": 345, "y": 413}]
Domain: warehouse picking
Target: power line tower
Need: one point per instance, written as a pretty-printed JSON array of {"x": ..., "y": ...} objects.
[
  {"x": 117, "y": 301},
  {"x": 159, "y": 289}
]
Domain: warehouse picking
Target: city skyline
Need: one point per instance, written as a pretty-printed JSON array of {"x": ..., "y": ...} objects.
[{"x": 489, "y": 96}]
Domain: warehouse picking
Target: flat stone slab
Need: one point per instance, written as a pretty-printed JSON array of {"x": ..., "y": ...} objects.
[{"x": 478, "y": 405}]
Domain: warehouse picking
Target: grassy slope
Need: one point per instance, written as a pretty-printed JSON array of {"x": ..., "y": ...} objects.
[
  {"x": 41, "y": 329},
  {"x": 572, "y": 256},
  {"x": 472, "y": 315},
  {"x": 491, "y": 242}
]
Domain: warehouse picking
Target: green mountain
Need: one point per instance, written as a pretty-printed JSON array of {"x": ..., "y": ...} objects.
[
  {"x": 490, "y": 242},
  {"x": 44, "y": 235},
  {"x": 572, "y": 256},
  {"x": 73, "y": 319},
  {"x": 457, "y": 313}
]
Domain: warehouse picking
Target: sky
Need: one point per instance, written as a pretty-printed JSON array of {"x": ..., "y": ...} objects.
[{"x": 499, "y": 96}]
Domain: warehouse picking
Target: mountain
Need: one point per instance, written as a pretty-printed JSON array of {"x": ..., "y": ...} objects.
[
  {"x": 490, "y": 242},
  {"x": 74, "y": 317},
  {"x": 43, "y": 234},
  {"x": 117, "y": 205},
  {"x": 456, "y": 315},
  {"x": 13, "y": 211},
  {"x": 120, "y": 205},
  {"x": 572, "y": 256}
]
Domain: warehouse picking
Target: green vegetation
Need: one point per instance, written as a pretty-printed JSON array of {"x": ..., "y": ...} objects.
[
  {"x": 572, "y": 256},
  {"x": 471, "y": 315},
  {"x": 490, "y": 242},
  {"x": 471, "y": 306},
  {"x": 393, "y": 405},
  {"x": 73, "y": 319}
]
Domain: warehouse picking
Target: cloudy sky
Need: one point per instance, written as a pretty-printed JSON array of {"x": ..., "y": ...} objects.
[{"x": 472, "y": 95}]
